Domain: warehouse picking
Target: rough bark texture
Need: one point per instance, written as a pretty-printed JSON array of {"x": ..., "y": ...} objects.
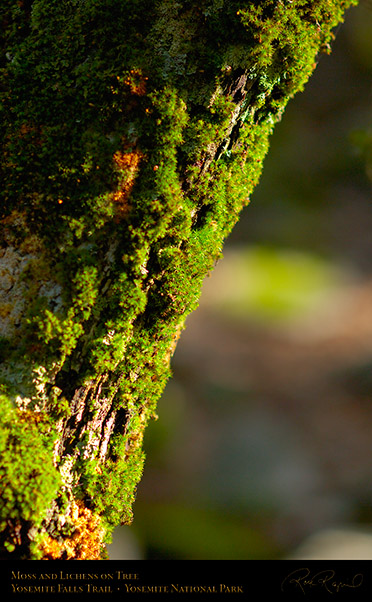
[{"x": 133, "y": 134}]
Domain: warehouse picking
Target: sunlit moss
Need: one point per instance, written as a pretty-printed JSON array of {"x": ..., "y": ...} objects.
[
  {"x": 134, "y": 133},
  {"x": 28, "y": 479}
]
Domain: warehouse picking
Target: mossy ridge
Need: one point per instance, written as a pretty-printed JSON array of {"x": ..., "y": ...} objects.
[
  {"x": 144, "y": 139},
  {"x": 29, "y": 481}
]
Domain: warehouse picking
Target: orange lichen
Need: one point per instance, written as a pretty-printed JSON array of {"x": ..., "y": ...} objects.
[
  {"x": 26, "y": 129},
  {"x": 136, "y": 82},
  {"x": 85, "y": 542},
  {"x": 5, "y": 309},
  {"x": 127, "y": 165},
  {"x": 50, "y": 548},
  {"x": 32, "y": 131}
]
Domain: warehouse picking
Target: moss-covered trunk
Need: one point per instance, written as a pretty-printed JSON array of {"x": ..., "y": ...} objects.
[{"x": 133, "y": 134}]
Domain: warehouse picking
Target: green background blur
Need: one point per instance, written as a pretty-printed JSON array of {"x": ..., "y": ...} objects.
[{"x": 264, "y": 435}]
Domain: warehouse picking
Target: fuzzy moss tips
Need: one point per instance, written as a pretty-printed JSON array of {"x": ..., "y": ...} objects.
[
  {"x": 134, "y": 133},
  {"x": 112, "y": 488},
  {"x": 287, "y": 37},
  {"x": 28, "y": 479}
]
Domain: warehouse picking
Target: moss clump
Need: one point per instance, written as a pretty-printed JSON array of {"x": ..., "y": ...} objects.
[
  {"x": 134, "y": 133},
  {"x": 28, "y": 479}
]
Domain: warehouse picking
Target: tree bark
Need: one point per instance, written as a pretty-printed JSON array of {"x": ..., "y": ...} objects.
[{"x": 133, "y": 134}]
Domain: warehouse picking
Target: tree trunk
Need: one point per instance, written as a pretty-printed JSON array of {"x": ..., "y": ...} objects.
[{"x": 133, "y": 134}]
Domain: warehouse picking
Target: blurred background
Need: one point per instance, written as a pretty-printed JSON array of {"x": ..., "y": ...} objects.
[{"x": 263, "y": 447}]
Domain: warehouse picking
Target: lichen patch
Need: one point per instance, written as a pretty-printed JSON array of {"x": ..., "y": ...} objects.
[
  {"x": 127, "y": 166},
  {"x": 85, "y": 542}
]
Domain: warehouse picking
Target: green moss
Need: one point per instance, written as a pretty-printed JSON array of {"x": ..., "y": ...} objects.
[
  {"x": 144, "y": 138},
  {"x": 28, "y": 479},
  {"x": 113, "y": 490}
]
